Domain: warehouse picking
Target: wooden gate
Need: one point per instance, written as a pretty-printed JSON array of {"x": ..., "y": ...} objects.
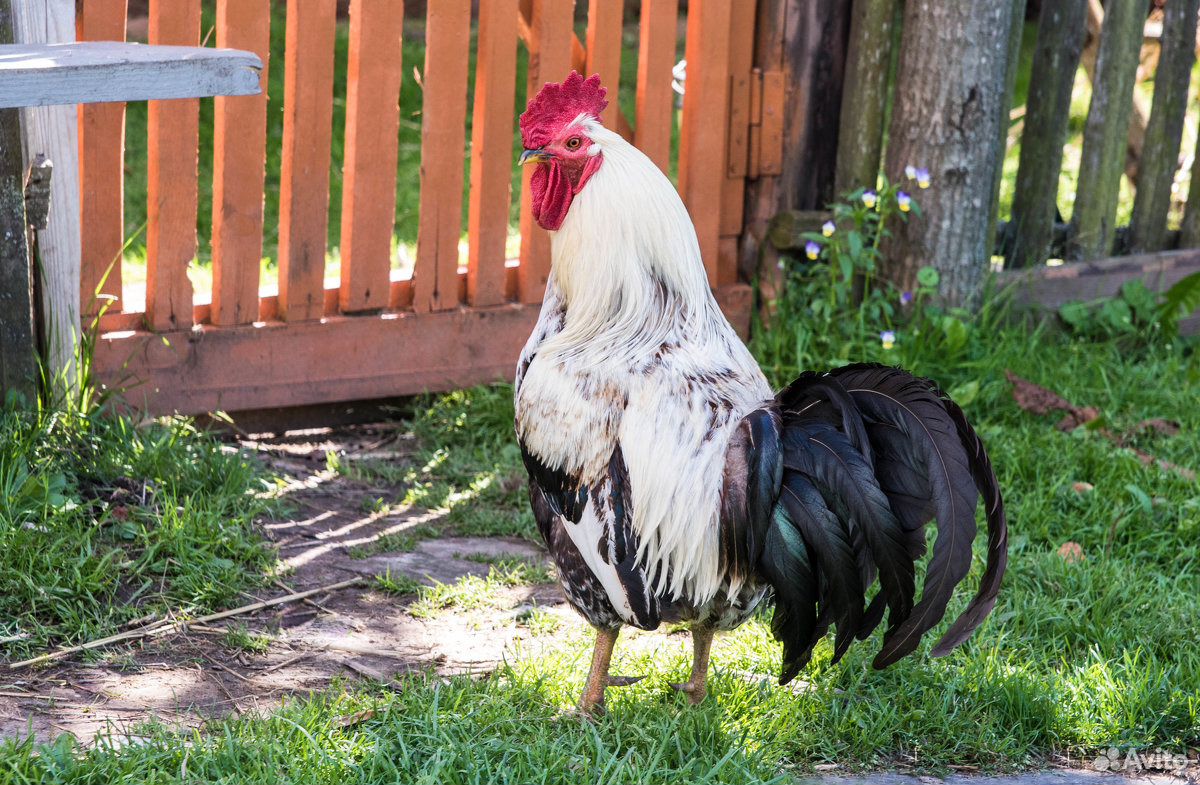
[{"x": 461, "y": 317}]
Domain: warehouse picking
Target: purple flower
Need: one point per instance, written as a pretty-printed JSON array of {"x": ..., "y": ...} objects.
[
  {"x": 906, "y": 298},
  {"x": 812, "y": 249},
  {"x": 828, "y": 228},
  {"x": 903, "y": 201},
  {"x": 922, "y": 177},
  {"x": 888, "y": 339},
  {"x": 870, "y": 198}
]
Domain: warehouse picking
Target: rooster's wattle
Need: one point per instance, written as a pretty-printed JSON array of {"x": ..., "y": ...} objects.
[{"x": 670, "y": 483}]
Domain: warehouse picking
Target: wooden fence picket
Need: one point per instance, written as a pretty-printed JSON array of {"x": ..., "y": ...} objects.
[
  {"x": 239, "y": 155},
  {"x": 491, "y": 151},
  {"x": 101, "y": 173},
  {"x": 172, "y": 185},
  {"x": 443, "y": 135},
  {"x": 304, "y": 177},
  {"x": 372, "y": 149}
]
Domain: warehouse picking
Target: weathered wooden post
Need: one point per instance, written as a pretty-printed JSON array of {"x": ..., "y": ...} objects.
[
  {"x": 1104, "y": 136},
  {"x": 864, "y": 101},
  {"x": 805, "y": 41},
  {"x": 18, "y": 356},
  {"x": 53, "y": 131},
  {"x": 1060, "y": 38},
  {"x": 1016, "y": 32},
  {"x": 946, "y": 117},
  {"x": 1160, "y": 155}
]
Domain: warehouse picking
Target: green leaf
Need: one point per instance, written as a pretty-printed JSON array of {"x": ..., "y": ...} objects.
[
  {"x": 928, "y": 276},
  {"x": 1076, "y": 315},
  {"x": 1140, "y": 299},
  {"x": 1181, "y": 300},
  {"x": 965, "y": 394},
  {"x": 955, "y": 332},
  {"x": 855, "y": 241}
]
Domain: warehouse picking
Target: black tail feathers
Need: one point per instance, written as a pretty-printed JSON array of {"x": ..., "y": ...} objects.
[{"x": 869, "y": 455}]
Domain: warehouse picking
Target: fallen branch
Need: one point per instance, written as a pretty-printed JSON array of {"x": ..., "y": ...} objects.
[{"x": 157, "y": 630}]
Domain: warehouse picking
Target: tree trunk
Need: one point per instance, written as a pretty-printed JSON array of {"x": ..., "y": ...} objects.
[
  {"x": 864, "y": 103},
  {"x": 1060, "y": 38},
  {"x": 946, "y": 118},
  {"x": 1015, "y": 35}
]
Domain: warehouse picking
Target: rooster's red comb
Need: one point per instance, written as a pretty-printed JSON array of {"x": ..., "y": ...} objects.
[{"x": 558, "y": 104}]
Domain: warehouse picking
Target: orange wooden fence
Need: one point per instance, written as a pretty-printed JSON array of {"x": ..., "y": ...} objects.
[{"x": 461, "y": 318}]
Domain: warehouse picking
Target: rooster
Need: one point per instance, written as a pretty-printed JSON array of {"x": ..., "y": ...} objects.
[{"x": 671, "y": 484}]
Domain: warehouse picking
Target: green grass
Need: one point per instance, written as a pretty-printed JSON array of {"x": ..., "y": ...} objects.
[
  {"x": 104, "y": 521},
  {"x": 241, "y": 638},
  {"x": 1076, "y": 656},
  {"x": 472, "y": 592}
]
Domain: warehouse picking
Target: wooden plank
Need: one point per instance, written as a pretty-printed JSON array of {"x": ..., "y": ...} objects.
[
  {"x": 1104, "y": 137},
  {"x": 53, "y": 132},
  {"x": 239, "y": 155},
  {"x": 304, "y": 175},
  {"x": 18, "y": 349},
  {"x": 443, "y": 119},
  {"x": 491, "y": 151},
  {"x": 604, "y": 52},
  {"x": 864, "y": 102},
  {"x": 1160, "y": 155},
  {"x": 733, "y": 191},
  {"x": 655, "y": 98},
  {"x": 372, "y": 125},
  {"x": 101, "y": 174},
  {"x": 97, "y": 72},
  {"x": 173, "y": 137},
  {"x": 1060, "y": 39},
  {"x": 266, "y": 366},
  {"x": 703, "y": 141},
  {"x": 1051, "y": 287},
  {"x": 551, "y": 23}
]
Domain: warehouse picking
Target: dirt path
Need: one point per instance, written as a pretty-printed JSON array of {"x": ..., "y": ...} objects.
[{"x": 355, "y": 632}]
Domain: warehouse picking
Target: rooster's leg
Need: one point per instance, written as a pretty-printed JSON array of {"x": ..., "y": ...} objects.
[
  {"x": 697, "y": 687},
  {"x": 593, "y": 691}
]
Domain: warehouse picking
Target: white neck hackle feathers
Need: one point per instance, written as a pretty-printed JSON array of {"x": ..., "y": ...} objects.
[{"x": 627, "y": 272}]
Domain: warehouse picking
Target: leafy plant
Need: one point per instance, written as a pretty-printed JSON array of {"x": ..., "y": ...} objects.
[
  {"x": 832, "y": 308},
  {"x": 1136, "y": 313}
]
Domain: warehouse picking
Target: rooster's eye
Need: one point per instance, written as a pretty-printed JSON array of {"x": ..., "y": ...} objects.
[{"x": 574, "y": 142}]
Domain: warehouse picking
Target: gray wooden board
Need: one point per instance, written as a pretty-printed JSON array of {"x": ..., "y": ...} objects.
[{"x": 99, "y": 71}]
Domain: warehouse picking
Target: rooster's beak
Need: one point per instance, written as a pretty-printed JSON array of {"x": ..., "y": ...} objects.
[{"x": 537, "y": 156}]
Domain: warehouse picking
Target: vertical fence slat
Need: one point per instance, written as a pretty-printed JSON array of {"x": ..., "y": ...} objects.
[
  {"x": 491, "y": 150},
  {"x": 173, "y": 139},
  {"x": 655, "y": 98},
  {"x": 551, "y": 24},
  {"x": 372, "y": 123},
  {"x": 101, "y": 172},
  {"x": 304, "y": 175},
  {"x": 737, "y": 115},
  {"x": 443, "y": 133},
  {"x": 1060, "y": 37},
  {"x": 1104, "y": 135},
  {"x": 703, "y": 141},
  {"x": 1160, "y": 154},
  {"x": 239, "y": 154},
  {"x": 604, "y": 52}
]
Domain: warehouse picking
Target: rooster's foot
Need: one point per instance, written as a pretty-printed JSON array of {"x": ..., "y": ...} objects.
[{"x": 696, "y": 692}]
